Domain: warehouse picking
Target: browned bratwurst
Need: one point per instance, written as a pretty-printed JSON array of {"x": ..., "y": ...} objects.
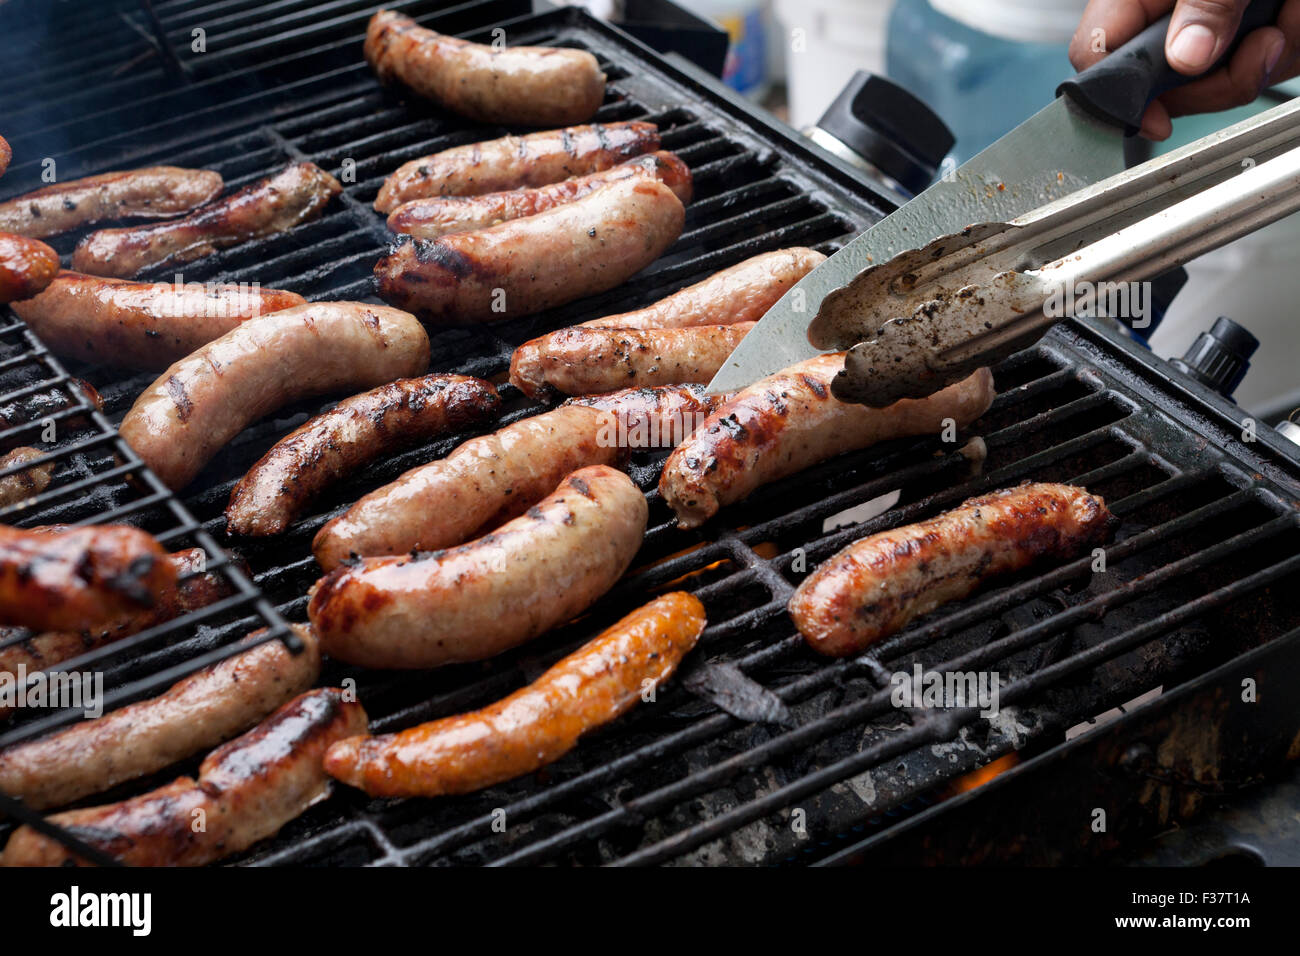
[
  {"x": 26, "y": 483},
  {"x": 535, "y": 725},
  {"x": 584, "y": 361},
  {"x": 22, "y": 650},
  {"x": 517, "y": 268},
  {"x": 34, "y": 406},
  {"x": 193, "y": 715},
  {"x": 519, "y": 85},
  {"x": 472, "y": 602},
  {"x": 247, "y": 790},
  {"x": 341, "y": 441},
  {"x": 141, "y": 324},
  {"x": 789, "y": 421},
  {"x": 297, "y": 194},
  {"x": 516, "y": 162},
  {"x": 6, "y": 154},
  {"x": 203, "y": 401},
  {"x": 491, "y": 479},
  {"x": 153, "y": 192},
  {"x": 872, "y": 588},
  {"x": 26, "y": 267},
  {"x": 67, "y": 579},
  {"x": 439, "y": 215},
  {"x": 742, "y": 293}
]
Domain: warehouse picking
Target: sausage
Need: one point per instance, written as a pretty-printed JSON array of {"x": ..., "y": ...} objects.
[
  {"x": 491, "y": 479},
  {"x": 439, "y": 215},
  {"x": 517, "y": 268},
  {"x": 515, "y": 162},
  {"x": 343, "y": 440},
  {"x": 67, "y": 579},
  {"x": 537, "y": 724},
  {"x": 247, "y": 790},
  {"x": 297, "y": 194},
  {"x": 872, "y": 588},
  {"x": 742, "y": 293},
  {"x": 193, "y": 715},
  {"x": 201, "y": 402},
  {"x": 25, "y": 652},
  {"x": 583, "y": 361},
  {"x": 789, "y": 421},
  {"x": 6, "y": 154},
  {"x": 26, "y": 267},
  {"x": 35, "y": 406},
  {"x": 534, "y": 572},
  {"x": 153, "y": 192},
  {"x": 26, "y": 483},
  {"x": 140, "y": 324},
  {"x": 521, "y": 85}
]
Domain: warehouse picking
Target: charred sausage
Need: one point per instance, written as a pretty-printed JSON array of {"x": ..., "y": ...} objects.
[
  {"x": 790, "y": 421},
  {"x": 203, "y": 401},
  {"x": 742, "y": 293},
  {"x": 341, "y": 441},
  {"x": 491, "y": 479},
  {"x": 153, "y": 192},
  {"x": 295, "y": 195},
  {"x": 26, "y": 267},
  {"x": 517, "y": 162},
  {"x": 471, "y": 602},
  {"x": 26, "y": 483},
  {"x": 517, "y": 268},
  {"x": 246, "y": 791},
  {"x": 872, "y": 588},
  {"x": 535, "y": 725},
  {"x": 521, "y": 85},
  {"x": 195, "y": 714},
  {"x": 583, "y": 361},
  {"x": 440, "y": 215},
  {"x": 72, "y": 578},
  {"x": 140, "y": 324}
]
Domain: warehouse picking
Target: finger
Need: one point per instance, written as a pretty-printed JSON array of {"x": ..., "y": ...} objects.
[
  {"x": 1199, "y": 32},
  {"x": 1156, "y": 124},
  {"x": 1238, "y": 83},
  {"x": 1107, "y": 25}
]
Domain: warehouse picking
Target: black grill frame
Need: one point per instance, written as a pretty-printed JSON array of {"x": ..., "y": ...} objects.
[{"x": 1100, "y": 390}]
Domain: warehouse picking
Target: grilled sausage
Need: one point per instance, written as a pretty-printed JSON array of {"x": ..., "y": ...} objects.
[
  {"x": 515, "y": 162},
  {"x": 194, "y": 715},
  {"x": 440, "y": 215},
  {"x": 203, "y": 401},
  {"x": 26, "y": 483},
  {"x": 742, "y": 293},
  {"x": 341, "y": 441},
  {"x": 72, "y": 578},
  {"x": 491, "y": 479},
  {"x": 872, "y": 588},
  {"x": 521, "y": 85},
  {"x": 24, "y": 652},
  {"x": 297, "y": 194},
  {"x": 583, "y": 361},
  {"x": 139, "y": 324},
  {"x": 26, "y": 267},
  {"x": 247, "y": 790},
  {"x": 35, "y": 406},
  {"x": 790, "y": 421},
  {"x": 517, "y": 268},
  {"x": 6, "y": 154},
  {"x": 537, "y": 724},
  {"x": 539, "y": 570},
  {"x": 153, "y": 192}
]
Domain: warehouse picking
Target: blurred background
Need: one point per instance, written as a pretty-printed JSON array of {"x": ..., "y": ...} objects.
[{"x": 981, "y": 66}]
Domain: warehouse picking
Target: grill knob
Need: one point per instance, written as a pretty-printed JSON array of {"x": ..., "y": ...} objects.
[
  {"x": 1220, "y": 357},
  {"x": 879, "y": 126}
]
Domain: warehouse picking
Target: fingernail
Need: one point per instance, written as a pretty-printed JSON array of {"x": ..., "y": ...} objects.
[
  {"x": 1193, "y": 47},
  {"x": 1272, "y": 56}
]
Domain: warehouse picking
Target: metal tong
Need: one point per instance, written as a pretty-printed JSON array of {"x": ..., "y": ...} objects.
[{"x": 930, "y": 316}]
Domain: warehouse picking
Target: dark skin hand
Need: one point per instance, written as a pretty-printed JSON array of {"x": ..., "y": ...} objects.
[{"x": 1198, "y": 34}]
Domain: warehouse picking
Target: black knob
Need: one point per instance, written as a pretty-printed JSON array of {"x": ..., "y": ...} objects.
[
  {"x": 1220, "y": 357},
  {"x": 889, "y": 128}
]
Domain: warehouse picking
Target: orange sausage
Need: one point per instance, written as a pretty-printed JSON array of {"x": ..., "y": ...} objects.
[{"x": 26, "y": 267}]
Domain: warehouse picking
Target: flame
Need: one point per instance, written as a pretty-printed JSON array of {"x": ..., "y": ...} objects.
[{"x": 977, "y": 778}]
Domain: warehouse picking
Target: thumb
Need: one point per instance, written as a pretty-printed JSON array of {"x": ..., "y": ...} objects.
[{"x": 1199, "y": 32}]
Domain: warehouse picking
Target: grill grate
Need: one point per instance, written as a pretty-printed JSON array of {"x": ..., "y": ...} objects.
[{"x": 1206, "y": 548}]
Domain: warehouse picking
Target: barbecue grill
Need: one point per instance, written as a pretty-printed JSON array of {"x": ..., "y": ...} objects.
[{"x": 760, "y": 752}]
